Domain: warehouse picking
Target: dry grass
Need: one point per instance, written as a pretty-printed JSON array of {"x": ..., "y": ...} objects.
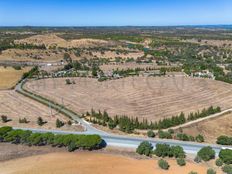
[
  {"x": 212, "y": 129},
  {"x": 153, "y": 98},
  {"x": 9, "y": 77},
  {"x": 16, "y": 106},
  {"x": 92, "y": 163}
]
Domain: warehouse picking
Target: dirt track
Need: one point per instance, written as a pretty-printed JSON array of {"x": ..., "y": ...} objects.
[{"x": 151, "y": 98}]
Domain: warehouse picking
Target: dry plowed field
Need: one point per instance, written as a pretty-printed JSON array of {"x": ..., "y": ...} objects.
[
  {"x": 211, "y": 129},
  {"x": 16, "y": 106},
  {"x": 151, "y": 98}
]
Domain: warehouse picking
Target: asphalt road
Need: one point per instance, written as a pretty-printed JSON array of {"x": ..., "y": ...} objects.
[{"x": 111, "y": 139}]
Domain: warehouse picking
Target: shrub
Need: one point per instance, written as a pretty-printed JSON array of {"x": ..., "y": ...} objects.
[
  {"x": 145, "y": 148},
  {"x": 197, "y": 159},
  {"x": 199, "y": 138},
  {"x": 23, "y": 120},
  {"x": 164, "y": 135},
  {"x": 150, "y": 134},
  {"x": 219, "y": 162},
  {"x": 72, "y": 146},
  {"x": 226, "y": 156},
  {"x": 4, "y": 119},
  {"x": 206, "y": 153},
  {"x": 192, "y": 172},
  {"x": 165, "y": 150},
  {"x": 171, "y": 131},
  {"x": 68, "y": 82},
  {"x": 59, "y": 123},
  {"x": 69, "y": 122},
  {"x": 211, "y": 171},
  {"x": 224, "y": 140},
  {"x": 178, "y": 151},
  {"x": 227, "y": 169},
  {"x": 163, "y": 164},
  {"x": 181, "y": 161},
  {"x": 3, "y": 131},
  {"x": 40, "y": 121}
]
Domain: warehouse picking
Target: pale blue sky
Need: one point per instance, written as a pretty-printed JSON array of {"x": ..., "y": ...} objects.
[{"x": 114, "y": 12}]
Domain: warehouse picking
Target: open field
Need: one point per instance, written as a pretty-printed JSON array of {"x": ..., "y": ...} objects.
[
  {"x": 92, "y": 163},
  {"x": 16, "y": 106},
  {"x": 211, "y": 129},
  {"x": 151, "y": 98},
  {"x": 9, "y": 76}
]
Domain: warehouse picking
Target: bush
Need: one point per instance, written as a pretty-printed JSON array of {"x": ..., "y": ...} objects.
[
  {"x": 163, "y": 164},
  {"x": 164, "y": 135},
  {"x": 224, "y": 140},
  {"x": 211, "y": 171},
  {"x": 4, "y": 119},
  {"x": 68, "y": 82},
  {"x": 181, "y": 161},
  {"x": 145, "y": 148},
  {"x": 226, "y": 156},
  {"x": 59, "y": 123},
  {"x": 23, "y": 120},
  {"x": 197, "y": 159},
  {"x": 199, "y": 138},
  {"x": 192, "y": 172},
  {"x": 150, "y": 134},
  {"x": 3, "y": 131},
  {"x": 72, "y": 146},
  {"x": 206, "y": 153},
  {"x": 40, "y": 121},
  {"x": 219, "y": 162},
  {"x": 165, "y": 150},
  {"x": 227, "y": 169}
]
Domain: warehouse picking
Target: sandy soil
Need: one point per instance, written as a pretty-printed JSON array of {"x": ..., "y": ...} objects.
[
  {"x": 212, "y": 129},
  {"x": 17, "y": 106},
  {"x": 90, "y": 162},
  {"x": 151, "y": 98},
  {"x": 9, "y": 77}
]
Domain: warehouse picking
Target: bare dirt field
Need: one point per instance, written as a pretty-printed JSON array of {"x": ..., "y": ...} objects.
[
  {"x": 9, "y": 77},
  {"x": 92, "y": 163},
  {"x": 153, "y": 98},
  {"x": 16, "y": 106},
  {"x": 218, "y": 43},
  {"x": 211, "y": 129},
  {"x": 34, "y": 55}
]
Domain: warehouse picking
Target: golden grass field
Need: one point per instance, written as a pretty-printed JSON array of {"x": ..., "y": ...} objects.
[
  {"x": 93, "y": 163},
  {"x": 9, "y": 76},
  {"x": 153, "y": 98}
]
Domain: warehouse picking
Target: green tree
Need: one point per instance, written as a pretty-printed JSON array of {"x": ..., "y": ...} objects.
[
  {"x": 145, "y": 148},
  {"x": 206, "y": 153},
  {"x": 40, "y": 121},
  {"x": 226, "y": 156}
]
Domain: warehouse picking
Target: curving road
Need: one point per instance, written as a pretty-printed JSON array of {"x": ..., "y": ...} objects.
[{"x": 110, "y": 139}]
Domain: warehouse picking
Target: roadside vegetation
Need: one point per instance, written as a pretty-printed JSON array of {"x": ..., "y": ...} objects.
[{"x": 70, "y": 142}]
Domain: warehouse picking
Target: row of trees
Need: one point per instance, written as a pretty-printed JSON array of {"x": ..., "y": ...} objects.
[
  {"x": 71, "y": 142},
  {"x": 127, "y": 124}
]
